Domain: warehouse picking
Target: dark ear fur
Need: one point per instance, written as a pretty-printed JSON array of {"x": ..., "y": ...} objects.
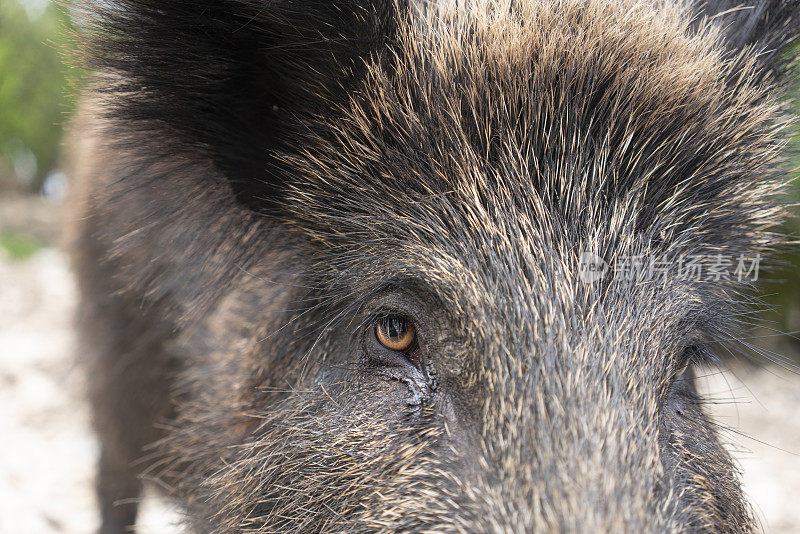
[
  {"x": 234, "y": 79},
  {"x": 767, "y": 26}
]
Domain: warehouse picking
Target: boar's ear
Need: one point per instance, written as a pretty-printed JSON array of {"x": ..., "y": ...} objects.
[
  {"x": 769, "y": 27},
  {"x": 234, "y": 79}
]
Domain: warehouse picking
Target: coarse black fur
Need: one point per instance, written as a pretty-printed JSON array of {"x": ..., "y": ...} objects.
[
  {"x": 251, "y": 74},
  {"x": 260, "y": 182}
]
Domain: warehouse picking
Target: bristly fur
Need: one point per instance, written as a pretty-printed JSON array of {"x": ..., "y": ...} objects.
[
  {"x": 588, "y": 114},
  {"x": 266, "y": 178}
]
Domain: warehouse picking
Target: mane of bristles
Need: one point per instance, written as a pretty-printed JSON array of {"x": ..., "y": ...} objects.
[{"x": 570, "y": 110}]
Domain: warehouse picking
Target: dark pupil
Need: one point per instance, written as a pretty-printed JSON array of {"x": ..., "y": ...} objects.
[{"x": 395, "y": 327}]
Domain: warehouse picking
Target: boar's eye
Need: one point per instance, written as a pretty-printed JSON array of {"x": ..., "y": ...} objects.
[{"x": 395, "y": 333}]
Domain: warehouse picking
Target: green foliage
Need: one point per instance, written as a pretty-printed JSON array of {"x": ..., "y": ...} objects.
[
  {"x": 33, "y": 78},
  {"x": 19, "y": 246},
  {"x": 780, "y": 285}
]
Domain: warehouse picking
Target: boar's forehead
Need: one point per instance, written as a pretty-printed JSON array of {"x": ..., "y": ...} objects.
[{"x": 568, "y": 124}]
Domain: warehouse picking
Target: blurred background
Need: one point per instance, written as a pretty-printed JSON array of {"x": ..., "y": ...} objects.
[{"x": 48, "y": 451}]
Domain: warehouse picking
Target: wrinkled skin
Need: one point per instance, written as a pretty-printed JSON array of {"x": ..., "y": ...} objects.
[{"x": 452, "y": 176}]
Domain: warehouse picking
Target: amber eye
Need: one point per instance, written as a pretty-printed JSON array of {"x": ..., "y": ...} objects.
[{"x": 395, "y": 333}]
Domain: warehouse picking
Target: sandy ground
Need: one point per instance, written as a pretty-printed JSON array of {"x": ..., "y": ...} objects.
[
  {"x": 48, "y": 451},
  {"x": 760, "y": 409}
]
